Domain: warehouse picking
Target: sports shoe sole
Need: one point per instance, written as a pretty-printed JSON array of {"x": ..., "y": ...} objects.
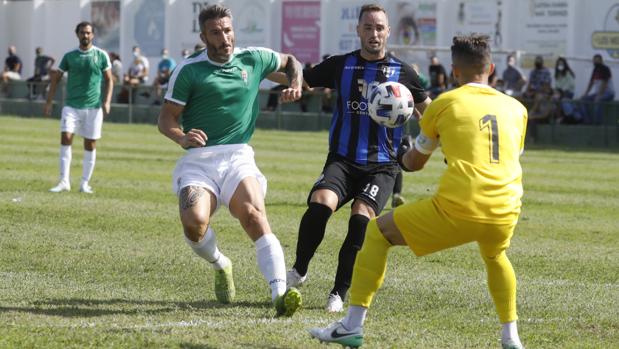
[{"x": 288, "y": 303}]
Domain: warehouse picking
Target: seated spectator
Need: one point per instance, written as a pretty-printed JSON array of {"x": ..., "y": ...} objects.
[
  {"x": 42, "y": 67},
  {"x": 564, "y": 92},
  {"x": 513, "y": 79},
  {"x": 117, "y": 68},
  {"x": 539, "y": 79},
  {"x": 185, "y": 53},
  {"x": 541, "y": 110},
  {"x": 564, "y": 79},
  {"x": 12, "y": 68},
  {"x": 438, "y": 78},
  {"x": 164, "y": 70},
  {"x": 599, "y": 90},
  {"x": 137, "y": 53},
  {"x": 136, "y": 76}
]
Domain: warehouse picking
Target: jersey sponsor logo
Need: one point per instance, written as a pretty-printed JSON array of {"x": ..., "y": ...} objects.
[
  {"x": 361, "y": 107},
  {"x": 354, "y": 67}
]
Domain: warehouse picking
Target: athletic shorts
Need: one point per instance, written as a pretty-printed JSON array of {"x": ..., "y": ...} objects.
[
  {"x": 219, "y": 169},
  {"x": 371, "y": 183},
  {"x": 426, "y": 228},
  {"x": 85, "y": 122}
]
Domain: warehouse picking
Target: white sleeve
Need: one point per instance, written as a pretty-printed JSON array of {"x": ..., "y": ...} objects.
[{"x": 425, "y": 144}]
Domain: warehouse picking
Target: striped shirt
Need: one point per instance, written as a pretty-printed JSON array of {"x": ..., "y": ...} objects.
[{"x": 353, "y": 134}]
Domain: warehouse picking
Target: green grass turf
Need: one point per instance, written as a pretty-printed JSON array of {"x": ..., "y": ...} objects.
[{"x": 112, "y": 269}]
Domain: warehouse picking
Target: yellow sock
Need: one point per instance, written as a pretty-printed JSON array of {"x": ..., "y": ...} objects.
[
  {"x": 502, "y": 285},
  {"x": 370, "y": 264}
]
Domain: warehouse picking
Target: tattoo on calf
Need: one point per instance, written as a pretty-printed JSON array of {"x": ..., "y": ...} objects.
[{"x": 190, "y": 196}]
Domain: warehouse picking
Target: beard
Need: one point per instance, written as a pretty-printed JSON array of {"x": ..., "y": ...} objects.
[
  {"x": 85, "y": 42},
  {"x": 219, "y": 51}
]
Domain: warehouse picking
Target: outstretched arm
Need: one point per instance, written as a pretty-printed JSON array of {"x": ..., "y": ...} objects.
[{"x": 294, "y": 74}]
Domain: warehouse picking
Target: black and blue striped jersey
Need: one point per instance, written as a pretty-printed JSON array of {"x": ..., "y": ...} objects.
[{"x": 353, "y": 134}]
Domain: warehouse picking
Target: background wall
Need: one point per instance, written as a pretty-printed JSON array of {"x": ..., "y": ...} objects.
[{"x": 419, "y": 28}]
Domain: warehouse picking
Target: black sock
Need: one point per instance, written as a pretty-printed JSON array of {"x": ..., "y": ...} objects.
[
  {"x": 397, "y": 186},
  {"x": 352, "y": 244},
  {"x": 311, "y": 233}
]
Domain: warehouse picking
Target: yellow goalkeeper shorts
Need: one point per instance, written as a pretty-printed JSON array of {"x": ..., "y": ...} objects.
[{"x": 426, "y": 228}]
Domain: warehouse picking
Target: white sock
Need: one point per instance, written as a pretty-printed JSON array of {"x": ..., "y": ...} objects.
[
  {"x": 207, "y": 249},
  {"x": 355, "y": 317},
  {"x": 510, "y": 332},
  {"x": 271, "y": 263},
  {"x": 88, "y": 164},
  {"x": 65, "y": 162}
]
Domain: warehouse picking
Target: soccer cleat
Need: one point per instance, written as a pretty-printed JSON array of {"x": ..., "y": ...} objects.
[
  {"x": 335, "y": 303},
  {"x": 511, "y": 344},
  {"x": 224, "y": 285},
  {"x": 85, "y": 188},
  {"x": 397, "y": 200},
  {"x": 288, "y": 303},
  {"x": 60, "y": 187},
  {"x": 294, "y": 279},
  {"x": 337, "y": 333}
]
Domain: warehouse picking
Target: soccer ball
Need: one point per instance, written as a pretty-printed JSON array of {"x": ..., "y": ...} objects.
[{"x": 391, "y": 104}]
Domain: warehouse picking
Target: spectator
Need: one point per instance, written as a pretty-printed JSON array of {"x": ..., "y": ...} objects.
[
  {"x": 164, "y": 70},
  {"x": 600, "y": 89},
  {"x": 117, "y": 68},
  {"x": 564, "y": 79},
  {"x": 564, "y": 92},
  {"x": 12, "y": 67},
  {"x": 42, "y": 66},
  {"x": 137, "y": 54},
  {"x": 539, "y": 79},
  {"x": 136, "y": 76},
  {"x": 438, "y": 78},
  {"x": 541, "y": 110},
  {"x": 185, "y": 53},
  {"x": 513, "y": 79}
]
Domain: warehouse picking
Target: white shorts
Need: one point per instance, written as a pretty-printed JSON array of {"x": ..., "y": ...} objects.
[
  {"x": 13, "y": 75},
  {"x": 85, "y": 122},
  {"x": 219, "y": 169}
]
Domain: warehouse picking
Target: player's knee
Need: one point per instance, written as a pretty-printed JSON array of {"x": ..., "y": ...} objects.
[
  {"x": 194, "y": 227},
  {"x": 252, "y": 216}
]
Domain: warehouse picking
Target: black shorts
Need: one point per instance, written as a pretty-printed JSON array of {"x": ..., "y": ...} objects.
[{"x": 371, "y": 183}]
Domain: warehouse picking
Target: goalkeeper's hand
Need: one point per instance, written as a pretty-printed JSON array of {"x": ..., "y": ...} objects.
[{"x": 405, "y": 146}]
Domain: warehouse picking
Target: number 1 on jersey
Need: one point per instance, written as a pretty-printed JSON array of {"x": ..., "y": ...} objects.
[{"x": 489, "y": 121}]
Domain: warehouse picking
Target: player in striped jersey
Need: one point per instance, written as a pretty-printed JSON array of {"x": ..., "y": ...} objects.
[
  {"x": 478, "y": 200},
  {"x": 361, "y": 165},
  {"x": 215, "y": 92},
  {"x": 87, "y": 67}
]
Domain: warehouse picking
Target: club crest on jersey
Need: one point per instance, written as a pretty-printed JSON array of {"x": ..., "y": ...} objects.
[
  {"x": 244, "y": 76},
  {"x": 388, "y": 71}
]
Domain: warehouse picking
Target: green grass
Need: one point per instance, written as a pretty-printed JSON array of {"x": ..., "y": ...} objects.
[{"x": 112, "y": 269}]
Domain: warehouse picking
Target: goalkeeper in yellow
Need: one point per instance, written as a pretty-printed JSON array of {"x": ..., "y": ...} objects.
[{"x": 482, "y": 134}]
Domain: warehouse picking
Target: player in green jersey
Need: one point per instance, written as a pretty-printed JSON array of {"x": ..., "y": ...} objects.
[
  {"x": 210, "y": 109},
  {"x": 87, "y": 67}
]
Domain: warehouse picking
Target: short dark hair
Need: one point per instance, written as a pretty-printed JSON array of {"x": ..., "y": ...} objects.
[
  {"x": 371, "y": 8},
  {"x": 82, "y": 24},
  {"x": 471, "y": 52},
  {"x": 213, "y": 12}
]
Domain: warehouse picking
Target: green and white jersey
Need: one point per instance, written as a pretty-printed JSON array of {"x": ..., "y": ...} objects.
[
  {"x": 85, "y": 69},
  {"x": 221, "y": 98}
]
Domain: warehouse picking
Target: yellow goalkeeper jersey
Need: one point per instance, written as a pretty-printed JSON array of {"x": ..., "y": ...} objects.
[{"x": 481, "y": 131}]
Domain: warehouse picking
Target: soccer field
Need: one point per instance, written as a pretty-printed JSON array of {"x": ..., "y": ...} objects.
[{"x": 112, "y": 269}]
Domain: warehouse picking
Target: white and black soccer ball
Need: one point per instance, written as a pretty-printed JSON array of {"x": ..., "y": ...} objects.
[{"x": 391, "y": 104}]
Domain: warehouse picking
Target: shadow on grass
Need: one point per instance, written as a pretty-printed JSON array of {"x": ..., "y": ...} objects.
[{"x": 74, "y": 307}]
